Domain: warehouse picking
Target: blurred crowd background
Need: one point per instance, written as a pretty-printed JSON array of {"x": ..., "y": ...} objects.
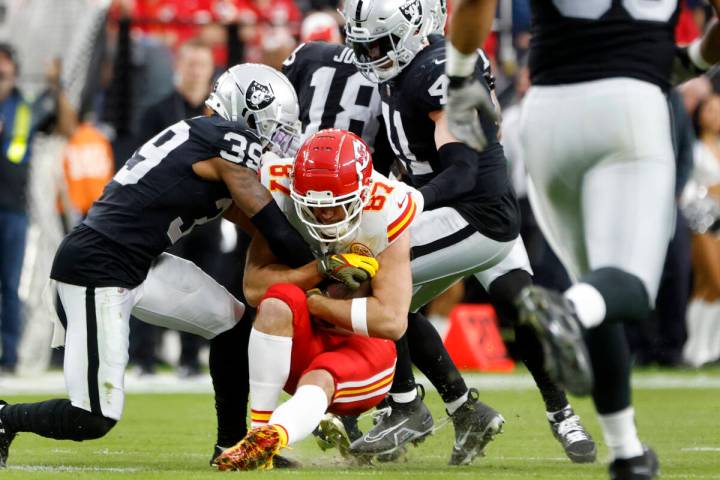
[{"x": 83, "y": 83}]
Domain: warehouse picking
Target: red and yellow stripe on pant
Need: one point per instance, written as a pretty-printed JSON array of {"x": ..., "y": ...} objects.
[{"x": 362, "y": 395}]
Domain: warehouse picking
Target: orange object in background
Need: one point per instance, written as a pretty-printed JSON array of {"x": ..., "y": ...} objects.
[
  {"x": 88, "y": 166},
  {"x": 473, "y": 339}
]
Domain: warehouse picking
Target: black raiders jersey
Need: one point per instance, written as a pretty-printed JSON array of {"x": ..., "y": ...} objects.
[
  {"x": 156, "y": 198},
  {"x": 407, "y": 101},
  {"x": 332, "y": 93},
  {"x": 577, "y": 41}
]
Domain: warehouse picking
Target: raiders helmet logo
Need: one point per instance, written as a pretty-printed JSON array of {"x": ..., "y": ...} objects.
[
  {"x": 259, "y": 96},
  {"x": 412, "y": 11}
]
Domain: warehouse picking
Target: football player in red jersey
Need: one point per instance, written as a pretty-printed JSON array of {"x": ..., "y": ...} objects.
[{"x": 334, "y": 355}]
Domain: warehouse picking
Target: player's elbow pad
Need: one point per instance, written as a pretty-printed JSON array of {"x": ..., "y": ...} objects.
[{"x": 458, "y": 176}]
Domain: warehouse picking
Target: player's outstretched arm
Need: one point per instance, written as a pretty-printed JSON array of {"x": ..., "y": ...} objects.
[
  {"x": 256, "y": 202},
  {"x": 263, "y": 269},
  {"x": 710, "y": 47},
  {"x": 698, "y": 57},
  {"x": 384, "y": 314},
  {"x": 470, "y": 25}
]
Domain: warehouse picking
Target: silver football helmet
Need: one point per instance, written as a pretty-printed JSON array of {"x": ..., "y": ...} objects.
[
  {"x": 265, "y": 99},
  {"x": 386, "y": 34}
]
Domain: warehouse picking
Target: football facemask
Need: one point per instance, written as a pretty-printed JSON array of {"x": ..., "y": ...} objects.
[{"x": 332, "y": 169}]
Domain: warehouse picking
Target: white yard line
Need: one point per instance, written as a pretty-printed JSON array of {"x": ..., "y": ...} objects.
[
  {"x": 67, "y": 468},
  {"x": 52, "y": 383}
]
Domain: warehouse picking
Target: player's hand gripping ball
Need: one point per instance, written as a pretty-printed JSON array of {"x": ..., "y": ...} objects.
[{"x": 350, "y": 269}]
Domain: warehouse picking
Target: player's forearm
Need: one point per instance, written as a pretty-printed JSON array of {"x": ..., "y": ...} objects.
[
  {"x": 471, "y": 23},
  {"x": 257, "y": 280},
  {"x": 457, "y": 179},
  {"x": 710, "y": 46},
  {"x": 383, "y": 320}
]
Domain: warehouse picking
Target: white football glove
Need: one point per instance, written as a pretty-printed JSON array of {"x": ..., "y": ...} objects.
[{"x": 465, "y": 99}]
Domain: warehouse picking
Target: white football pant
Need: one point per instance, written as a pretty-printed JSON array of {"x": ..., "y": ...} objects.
[
  {"x": 445, "y": 248},
  {"x": 601, "y": 164},
  {"x": 176, "y": 294}
]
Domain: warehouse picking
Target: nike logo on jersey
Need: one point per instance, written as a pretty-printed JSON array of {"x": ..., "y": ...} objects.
[
  {"x": 402, "y": 202},
  {"x": 439, "y": 61}
]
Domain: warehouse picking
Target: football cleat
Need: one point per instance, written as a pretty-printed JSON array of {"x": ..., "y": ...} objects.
[
  {"x": 395, "y": 426},
  {"x": 254, "y": 452},
  {"x": 331, "y": 433},
  {"x": 6, "y": 438},
  {"x": 575, "y": 440},
  {"x": 553, "y": 318},
  {"x": 643, "y": 467},
  {"x": 279, "y": 461},
  {"x": 476, "y": 425}
]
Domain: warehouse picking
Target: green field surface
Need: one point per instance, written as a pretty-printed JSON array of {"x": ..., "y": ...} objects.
[{"x": 165, "y": 436}]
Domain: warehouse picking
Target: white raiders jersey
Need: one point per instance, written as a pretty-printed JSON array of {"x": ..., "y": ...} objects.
[{"x": 390, "y": 210}]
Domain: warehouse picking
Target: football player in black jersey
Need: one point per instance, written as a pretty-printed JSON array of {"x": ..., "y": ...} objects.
[
  {"x": 113, "y": 264},
  {"x": 597, "y": 129},
  {"x": 470, "y": 225}
]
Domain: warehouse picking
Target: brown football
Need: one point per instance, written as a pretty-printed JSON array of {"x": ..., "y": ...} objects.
[{"x": 340, "y": 291}]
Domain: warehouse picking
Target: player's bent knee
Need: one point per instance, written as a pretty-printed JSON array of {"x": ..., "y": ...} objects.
[
  {"x": 625, "y": 295},
  {"x": 91, "y": 426},
  {"x": 274, "y": 317},
  {"x": 322, "y": 379}
]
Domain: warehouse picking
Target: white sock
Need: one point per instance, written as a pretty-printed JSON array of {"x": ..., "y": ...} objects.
[
  {"x": 589, "y": 304},
  {"x": 455, "y": 404},
  {"x": 302, "y": 413},
  {"x": 620, "y": 433},
  {"x": 269, "y": 365},
  {"x": 404, "y": 397}
]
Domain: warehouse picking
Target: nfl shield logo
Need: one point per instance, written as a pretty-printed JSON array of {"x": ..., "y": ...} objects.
[{"x": 259, "y": 96}]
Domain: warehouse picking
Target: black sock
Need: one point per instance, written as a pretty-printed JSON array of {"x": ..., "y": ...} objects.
[
  {"x": 230, "y": 377},
  {"x": 429, "y": 355},
  {"x": 625, "y": 296},
  {"x": 404, "y": 380},
  {"x": 532, "y": 356},
  {"x": 503, "y": 291},
  {"x": 56, "y": 419},
  {"x": 610, "y": 357}
]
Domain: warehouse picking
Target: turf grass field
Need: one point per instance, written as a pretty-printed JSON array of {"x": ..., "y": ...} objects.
[{"x": 169, "y": 436}]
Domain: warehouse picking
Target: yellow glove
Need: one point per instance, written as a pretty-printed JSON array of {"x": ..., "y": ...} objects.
[{"x": 349, "y": 268}]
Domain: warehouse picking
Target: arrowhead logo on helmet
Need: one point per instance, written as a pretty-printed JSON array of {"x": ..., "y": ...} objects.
[{"x": 259, "y": 96}]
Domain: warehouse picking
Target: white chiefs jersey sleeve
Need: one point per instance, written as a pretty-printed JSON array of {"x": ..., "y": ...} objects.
[{"x": 391, "y": 208}]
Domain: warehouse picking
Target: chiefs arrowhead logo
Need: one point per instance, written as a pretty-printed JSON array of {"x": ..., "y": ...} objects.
[
  {"x": 259, "y": 96},
  {"x": 412, "y": 11}
]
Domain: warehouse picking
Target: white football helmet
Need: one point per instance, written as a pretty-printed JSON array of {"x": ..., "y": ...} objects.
[
  {"x": 386, "y": 34},
  {"x": 265, "y": 99}
]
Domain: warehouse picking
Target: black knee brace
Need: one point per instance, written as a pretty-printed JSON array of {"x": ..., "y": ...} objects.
[
  {"x": 625, "y": 296},
  {"x": 57, "y": 419}
]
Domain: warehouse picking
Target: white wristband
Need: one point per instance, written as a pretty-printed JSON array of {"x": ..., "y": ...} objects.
[
  {"x": 358, "y": 316},
  {"x": 458, "y": 63},
  {"x": 695, "y": 55}
]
